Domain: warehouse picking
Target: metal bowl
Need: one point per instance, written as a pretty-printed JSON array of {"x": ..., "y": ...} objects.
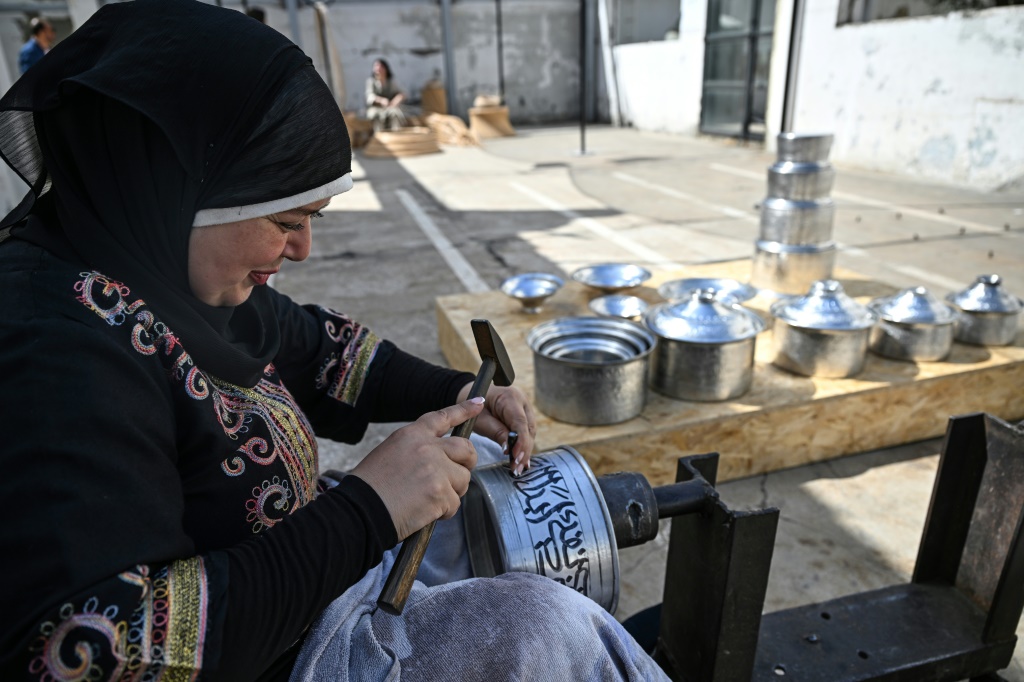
[
  {"x": 611, "y": 277},
  {"x": 682, "y": 289},
  {"x": 531, "y": 289},
  {"x": 619, "y": 305}
]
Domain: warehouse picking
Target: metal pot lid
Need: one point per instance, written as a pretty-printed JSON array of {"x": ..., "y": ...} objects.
[
  {"x": 913, "y": 306},
  {"x": 986, "y": 295},
  {"x": 703, "y": 318},
  {"x": 826, "y": 306},
  {"x": 682, "y": 289}
]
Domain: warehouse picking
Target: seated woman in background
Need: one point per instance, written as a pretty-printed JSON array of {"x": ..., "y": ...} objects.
[
  {"x": 384, "y": 98},
  {"x": 159, "y": 455}
]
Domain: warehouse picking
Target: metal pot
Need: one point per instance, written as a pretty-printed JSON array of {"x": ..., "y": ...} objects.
[
  {"x": 552, "y": 520},
  {"x": 990, "y": 315},
  {"x": 912, "y": 325},
  {"x": 824, "y": 333},
  {"x": 705, "y": 347},
  {"x": 803, "y": 147},
  {"x": 590, "y": 370},
  {"x": 791, "y": 268},
  {"x": 800, "y": 181},
  {"x": 797, "y": 222}
]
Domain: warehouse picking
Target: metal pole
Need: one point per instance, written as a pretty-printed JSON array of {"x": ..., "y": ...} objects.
[
  {"x": 293, "y": 21},
  {"x": 793, "y": 66},
  {"x": 501, "y": 53},
  {"x": 449, "y": 55},
  {"x": 583, "y": 77}
]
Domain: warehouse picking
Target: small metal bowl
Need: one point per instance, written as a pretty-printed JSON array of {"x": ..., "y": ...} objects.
[
  {"x": 531, "y": 289},
  {"x": 619, "y": 305},
  {"x": 682, "y": 289},
  {"x": 611, "y": 277}
]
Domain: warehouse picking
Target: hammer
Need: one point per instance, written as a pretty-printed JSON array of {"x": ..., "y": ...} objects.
[{"x": 497, "y": 368}]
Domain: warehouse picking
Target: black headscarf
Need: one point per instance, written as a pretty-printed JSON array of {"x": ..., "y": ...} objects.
[{"x": 153, "y": 111}]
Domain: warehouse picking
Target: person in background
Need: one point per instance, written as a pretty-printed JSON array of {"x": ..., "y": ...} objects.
[
  {"x": 384, "y": 98},
  {"x": 160, "y": 460},
  {"x": 39, "y": 43}
]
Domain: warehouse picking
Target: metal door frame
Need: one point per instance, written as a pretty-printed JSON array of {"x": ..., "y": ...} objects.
[{"x": 753, "y": 34}]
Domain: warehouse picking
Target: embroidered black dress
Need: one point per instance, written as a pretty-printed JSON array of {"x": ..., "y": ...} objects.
[{"x": 162, "y": 521}]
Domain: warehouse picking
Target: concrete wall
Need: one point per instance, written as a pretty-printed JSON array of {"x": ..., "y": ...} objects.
[
  {"x": 940, "y": 98},
  {"x": 540, "y": 51}
]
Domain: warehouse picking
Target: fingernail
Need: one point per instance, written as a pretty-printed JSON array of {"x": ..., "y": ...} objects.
[
  {"x": 478, "y": 400},
  {"x": 518, "y": 471},
  {"x": 519, "y": 458}
]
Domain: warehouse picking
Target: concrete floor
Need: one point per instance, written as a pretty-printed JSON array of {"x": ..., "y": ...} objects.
[{"x": 418, "y": 228}]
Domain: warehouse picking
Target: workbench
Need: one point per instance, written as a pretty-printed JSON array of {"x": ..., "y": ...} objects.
[{"x": 785, "y": 420}]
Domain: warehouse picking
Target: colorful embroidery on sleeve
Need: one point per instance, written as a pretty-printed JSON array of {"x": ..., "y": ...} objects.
[
  {"x": 162, "y": 638},
  {"x": 343, "y": 372}
]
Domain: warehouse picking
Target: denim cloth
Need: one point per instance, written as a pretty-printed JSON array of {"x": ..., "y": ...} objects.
[{"x": 517, "y": 626}]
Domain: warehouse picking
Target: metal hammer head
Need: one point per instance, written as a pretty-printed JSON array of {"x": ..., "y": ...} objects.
[{"x": 490, "y": 346}]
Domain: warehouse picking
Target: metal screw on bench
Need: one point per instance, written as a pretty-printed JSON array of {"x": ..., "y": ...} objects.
[{"x": 497, "y": 368}]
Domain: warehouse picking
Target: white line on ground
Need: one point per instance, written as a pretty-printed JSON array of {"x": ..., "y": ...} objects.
[
  {"x": 857, "y": 198},
  {"x": 727, "y": 210},
  {"x": 649, "y": 255},
  {"x": 909, "y": 270},
  {"x": 459, "y": 265}
]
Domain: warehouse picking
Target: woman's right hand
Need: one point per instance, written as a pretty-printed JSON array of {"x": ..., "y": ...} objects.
[{"x": 419, "y": 474}]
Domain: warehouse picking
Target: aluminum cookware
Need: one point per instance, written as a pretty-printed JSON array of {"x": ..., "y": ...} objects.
[
  {"x": 791, "y": 268},
  {"x": 590, "y": 370},
  {"x": 912, "y": 325},
  {"x": 619, "y": 305},
  {"x": 682, "y": 289},
  {"x": 797, "y": 222},
  {"x": 531, "y": 289},
  {"x": 552, "y": 520},
  {"x": 803, "y": 147},
  {"x": 800, "y": 181},
  {"x": 990, "y": 314},
  {"x": 824, "y": 333},
  {"x": 610, "y": 278},
  {"x": 705, "y": 347}
]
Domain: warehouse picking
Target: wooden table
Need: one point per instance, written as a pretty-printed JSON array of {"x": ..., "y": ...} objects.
[{"x": 785, "y": 420}]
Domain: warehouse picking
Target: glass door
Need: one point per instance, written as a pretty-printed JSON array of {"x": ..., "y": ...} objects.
[{"x": 737, "y": 52}]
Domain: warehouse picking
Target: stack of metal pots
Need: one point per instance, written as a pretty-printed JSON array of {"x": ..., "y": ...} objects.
[{"x": 795, "y": 247}]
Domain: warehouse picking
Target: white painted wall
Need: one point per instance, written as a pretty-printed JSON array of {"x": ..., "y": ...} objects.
[
  {"x": 660, "y": 82},
  {"x": 940, "y": 98}
]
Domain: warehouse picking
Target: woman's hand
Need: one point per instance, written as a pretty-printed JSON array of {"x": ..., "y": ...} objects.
[
  {"x": 507, "y": 409},
  {"x": 419, "y": 474}
]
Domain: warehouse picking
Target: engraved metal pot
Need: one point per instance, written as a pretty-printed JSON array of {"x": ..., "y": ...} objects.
[
  {"x": 552, "y": 521},
  {"x": 803, "y": 147},
  {"x": 912, "y": 325},
  {"x": 705, "y": 347},
  {"x": 797, "y": 222},
  {"x": 824, "y": 333},
  {"x": 791, "y": 268},
  {"x": 990, "y": 315},
  {"x": 590, "y": 370}
]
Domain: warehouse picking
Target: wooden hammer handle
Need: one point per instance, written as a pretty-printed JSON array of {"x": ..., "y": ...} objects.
[{"x": 396, "y": 588}]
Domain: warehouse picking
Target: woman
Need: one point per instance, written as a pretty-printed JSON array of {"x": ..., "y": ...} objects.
[
  {"x": 159, "y": 448},
  {"x": 384, "y": 98}
]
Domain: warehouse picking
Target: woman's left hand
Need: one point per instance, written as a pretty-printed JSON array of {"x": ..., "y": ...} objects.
[{"x": 507, "y": 409}]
